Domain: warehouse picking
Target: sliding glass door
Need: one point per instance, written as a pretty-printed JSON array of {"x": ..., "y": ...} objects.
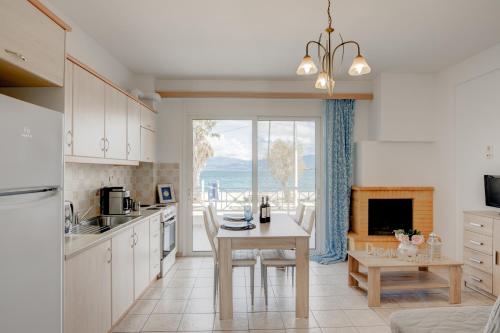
[{"x": 236, "y": 162}]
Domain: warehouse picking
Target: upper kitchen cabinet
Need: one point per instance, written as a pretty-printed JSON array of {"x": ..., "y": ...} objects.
[
  {"x": 88, "y": 114},
  {"x": 148, "y": 145},
  {"x": 32, "y": 45},
  {"x": 133, "y": 130},
  {"x": 148, "y": 119},
  {"x": 115, "y": 124}
]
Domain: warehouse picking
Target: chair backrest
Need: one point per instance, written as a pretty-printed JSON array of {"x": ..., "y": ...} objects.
[
  {"x": 213, "y": 215},
  {"x": 299, "y": 213},
  {"x": 308, "y": 224},
  {"x": 211, "y": 231}
]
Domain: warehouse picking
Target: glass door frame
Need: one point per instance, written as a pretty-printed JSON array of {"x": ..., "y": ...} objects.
[{"x": 186, "y": 206}]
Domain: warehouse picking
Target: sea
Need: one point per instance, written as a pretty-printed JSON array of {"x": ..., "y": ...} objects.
[{"x": 242, "y": 180}]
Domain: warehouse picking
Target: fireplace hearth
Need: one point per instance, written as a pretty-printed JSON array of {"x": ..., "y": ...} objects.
[{"x": 387, "y": 215}]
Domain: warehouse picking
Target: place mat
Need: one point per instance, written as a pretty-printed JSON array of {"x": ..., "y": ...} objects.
[{"x": 238, "y": 226}]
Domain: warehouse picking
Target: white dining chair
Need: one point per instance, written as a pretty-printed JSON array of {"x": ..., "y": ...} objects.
[
  {"x": 213, "y": 215},
  {"x": 241, "y": 258},
  {"x": 283, "y": 258},
  {"x": 299, "y": 213}
]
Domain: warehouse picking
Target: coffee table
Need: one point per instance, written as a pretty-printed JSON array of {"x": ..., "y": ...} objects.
[{"x": 376, "y": 280}]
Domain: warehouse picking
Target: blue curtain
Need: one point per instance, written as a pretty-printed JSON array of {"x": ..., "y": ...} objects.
[{"x": 338, "y": 165}]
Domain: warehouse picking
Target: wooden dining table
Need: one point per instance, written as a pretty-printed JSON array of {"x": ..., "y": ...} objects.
[{"x": 281, "y": 233}]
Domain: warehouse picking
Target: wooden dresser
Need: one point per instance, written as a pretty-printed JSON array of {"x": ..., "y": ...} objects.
[{"x": 482, "y": 251}]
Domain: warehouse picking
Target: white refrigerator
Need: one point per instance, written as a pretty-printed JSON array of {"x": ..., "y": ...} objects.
[{"x": 31, "y": 218}]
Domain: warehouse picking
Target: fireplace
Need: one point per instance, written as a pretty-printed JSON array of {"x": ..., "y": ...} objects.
[
  {"x": 387, "y": 215},
  {"x": 377, "y": 211}
]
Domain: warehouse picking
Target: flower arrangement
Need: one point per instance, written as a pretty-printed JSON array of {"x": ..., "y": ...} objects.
[{"x": 412, "y": 236}]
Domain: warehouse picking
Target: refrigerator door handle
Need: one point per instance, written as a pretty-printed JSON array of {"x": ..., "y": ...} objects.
[{"x": 21, "y": 191}]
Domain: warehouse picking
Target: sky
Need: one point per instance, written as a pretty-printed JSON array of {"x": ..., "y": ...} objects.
[{"x": 235, "y": 139}]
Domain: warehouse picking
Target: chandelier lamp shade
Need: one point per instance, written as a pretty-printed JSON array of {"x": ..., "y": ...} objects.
[{"x": 326, "y": 58}]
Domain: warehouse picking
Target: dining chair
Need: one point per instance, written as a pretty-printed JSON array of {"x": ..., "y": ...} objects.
[
  {"x": 241, "y": 258},
  {"x": 299, "y": 213},
  {"x": 283, "y": 258},
  {"x": 213, "y": 215}
]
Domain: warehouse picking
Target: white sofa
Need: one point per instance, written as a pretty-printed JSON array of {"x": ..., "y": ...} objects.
[{"x": 441, "y": 320}]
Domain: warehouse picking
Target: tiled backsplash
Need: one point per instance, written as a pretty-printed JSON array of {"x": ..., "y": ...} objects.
[{"x": 83, "y": 181}]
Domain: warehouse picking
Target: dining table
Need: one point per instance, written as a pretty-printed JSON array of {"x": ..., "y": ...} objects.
[{"x": 281, "y": 233}]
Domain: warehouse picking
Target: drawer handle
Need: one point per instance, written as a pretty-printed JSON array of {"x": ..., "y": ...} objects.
[
  {"x": 476, "y": 279},
  {"x": 496, "y": 258},
  {"x": 476, "y": 243},
  {"x": 476, "y": 225},
  {"x": 69, "y": 138},
  {"x": 16, "y": 54},
  {"x": 477, "y": 261}
]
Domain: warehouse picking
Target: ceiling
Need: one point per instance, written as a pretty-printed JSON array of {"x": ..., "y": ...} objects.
[{"x": 264, "y": 39}]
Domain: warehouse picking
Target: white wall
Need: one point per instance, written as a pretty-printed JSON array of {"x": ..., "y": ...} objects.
[{"x": 468, "y": 111}]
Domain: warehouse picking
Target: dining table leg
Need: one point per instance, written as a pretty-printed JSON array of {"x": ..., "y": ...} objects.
[
  {"x": 225, "y": 279},
  {"x": 302, "y": 281}
]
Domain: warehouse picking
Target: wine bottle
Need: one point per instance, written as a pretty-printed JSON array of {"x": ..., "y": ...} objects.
[
  {"x": 263, "y": 211},
  {"x": 268, "y": 210}
]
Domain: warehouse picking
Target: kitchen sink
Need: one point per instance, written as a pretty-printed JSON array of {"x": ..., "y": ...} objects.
[{"x": 100, "y": 224}]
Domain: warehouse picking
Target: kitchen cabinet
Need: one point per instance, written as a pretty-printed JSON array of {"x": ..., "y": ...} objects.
[
  {"x": 32, "y": 46},
  {"x": 133, "y": 130},
  {"x": 496, "y": 259},
  {"x": 148, "y": 118},
  {"x": 88, "y": 114},
  {"x": 115, "y": 124},
  {"x": 87, "y": 291},
  {"x": 68, "y": 108},
  {"x": 154, "y": 247},
  {"x": 122, "y": 269},
  {"x": 148, "y": 145},
  {"x": 141, "y": 257}
]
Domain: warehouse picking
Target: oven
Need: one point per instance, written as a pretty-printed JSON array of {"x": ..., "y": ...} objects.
[{"x": 168, "y": 224}]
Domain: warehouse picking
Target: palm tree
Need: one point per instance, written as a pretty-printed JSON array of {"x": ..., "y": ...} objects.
[{"x": 202, "y": 149}]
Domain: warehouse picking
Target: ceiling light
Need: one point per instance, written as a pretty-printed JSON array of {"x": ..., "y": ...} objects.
[{"x": 326, "y": 58}]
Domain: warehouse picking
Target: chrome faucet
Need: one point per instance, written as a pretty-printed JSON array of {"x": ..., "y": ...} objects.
[{"x": 80, "y": 217}]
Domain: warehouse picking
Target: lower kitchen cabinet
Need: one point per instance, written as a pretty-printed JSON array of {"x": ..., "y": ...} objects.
[
  {"x": 154, "y": 247},
  {"x": 87, "y": 291},
  {"x": 141, "y": 257},
  {"x": 122, "y": 269}
]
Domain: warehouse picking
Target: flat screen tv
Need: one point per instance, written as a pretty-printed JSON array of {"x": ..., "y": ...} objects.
[{"x": 492, "y": 190}]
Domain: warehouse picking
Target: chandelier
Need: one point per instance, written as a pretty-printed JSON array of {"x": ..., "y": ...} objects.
[{"x": 326, "y": 59}]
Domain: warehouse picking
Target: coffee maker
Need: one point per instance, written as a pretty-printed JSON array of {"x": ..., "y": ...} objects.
[{"x": 115, "y": 200}]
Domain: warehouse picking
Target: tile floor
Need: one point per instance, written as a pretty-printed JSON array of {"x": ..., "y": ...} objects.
[{"x": 182, "y": 301}]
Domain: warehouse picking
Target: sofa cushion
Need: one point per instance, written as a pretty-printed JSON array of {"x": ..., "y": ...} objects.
[
  {"x": 441, "y": 320},
  {"x": 493, "y": 325}
]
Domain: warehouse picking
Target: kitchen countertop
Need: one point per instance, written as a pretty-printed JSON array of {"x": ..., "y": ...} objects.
[{"x": 77, "y": 243}]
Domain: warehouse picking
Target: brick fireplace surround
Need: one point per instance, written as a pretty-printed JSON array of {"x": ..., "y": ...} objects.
[{"x": 422, "y": 213}]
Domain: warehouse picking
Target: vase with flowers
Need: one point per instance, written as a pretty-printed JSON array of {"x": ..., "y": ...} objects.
[{"x": 409, "y": 240}]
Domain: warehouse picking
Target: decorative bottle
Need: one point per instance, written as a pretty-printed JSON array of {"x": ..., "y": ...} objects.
[
  {"x": 263, "y": 212},
  {"x": 434, "y": 246},
  {"x": 268, "y": 210}
]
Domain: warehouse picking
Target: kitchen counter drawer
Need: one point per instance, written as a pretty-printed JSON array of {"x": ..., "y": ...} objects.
[
  {"x": 478, "y": 242},
  {"x": 478, "y": 279},
  {"x": 478, "y": 224},
  {"x": 32, "y": 46},
  {"x": 478, "y": 260}
]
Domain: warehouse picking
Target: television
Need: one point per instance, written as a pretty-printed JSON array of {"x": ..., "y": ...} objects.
[{"x": 492, "y": 190}]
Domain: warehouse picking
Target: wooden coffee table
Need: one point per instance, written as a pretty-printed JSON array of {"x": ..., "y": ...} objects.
[{"x": 391, "y": 279}]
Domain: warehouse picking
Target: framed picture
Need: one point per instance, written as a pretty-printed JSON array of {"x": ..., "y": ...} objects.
[{"x": 166, "y": 193}]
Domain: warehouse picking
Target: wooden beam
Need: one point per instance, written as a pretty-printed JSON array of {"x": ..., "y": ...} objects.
[
  {"x": 106, "y": 80},
  {"x": 268, "y": 95},
  {"x": 50, "y": 14}
]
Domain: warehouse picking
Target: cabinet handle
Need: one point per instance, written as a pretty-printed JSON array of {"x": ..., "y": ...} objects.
[
  {"x": 103, "y": 145},
  {"x": 16, "y": 54},
  {"x": 106, "y": 144},
  {"x": 476, "y": 243},
  {"x": 496, "y": 258},
  {"x": 135, "y": 238},
  {"x": 110, "y": 258},
  {"x": 476, "y": 278},
  {"x": 477, "y": 261},
  {"x": 476, "y": 224},
  {"x": 69, "y": 141},
  {"x": 129, "y": 148},
  {"x": 132, "y": 240}
]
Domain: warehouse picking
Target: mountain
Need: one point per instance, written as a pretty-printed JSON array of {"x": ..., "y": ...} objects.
[{"x": 219, "y": 163}]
